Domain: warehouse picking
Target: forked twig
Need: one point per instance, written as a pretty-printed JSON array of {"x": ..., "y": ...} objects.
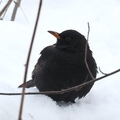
[
  {"x": 75, "y": 88},
  {"x": 27, "y": 62},
  {"x": 87, "y": 52}
]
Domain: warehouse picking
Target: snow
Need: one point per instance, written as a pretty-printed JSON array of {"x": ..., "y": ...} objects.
[{"x": 103, "y": 101}]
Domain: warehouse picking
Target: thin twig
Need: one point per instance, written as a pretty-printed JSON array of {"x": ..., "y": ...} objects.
[
  {"x": 17, "y": 4},
  {"x": 27, "y": 62},
  {"x": 4, "y": 14},
  {"x": 24, "y": 14},
  {"x": 102, "y": 71},
  {"x": 87, "y": 52},
  {"x": 5, "y": 7},
  {"x": 75, "y": 88}
]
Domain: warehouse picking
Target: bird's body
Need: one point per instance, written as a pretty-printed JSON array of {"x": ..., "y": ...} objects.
[{"x": 62, "y": 66}]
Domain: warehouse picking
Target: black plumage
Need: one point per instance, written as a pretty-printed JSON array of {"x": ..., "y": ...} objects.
[{"x": 62, "y": 66}]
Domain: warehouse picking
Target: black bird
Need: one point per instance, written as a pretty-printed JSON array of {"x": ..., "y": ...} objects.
[{"x": 62, "y": 66}]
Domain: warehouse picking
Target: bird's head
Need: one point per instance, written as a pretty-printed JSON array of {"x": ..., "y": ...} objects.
[{"x": 70, "y": 40}]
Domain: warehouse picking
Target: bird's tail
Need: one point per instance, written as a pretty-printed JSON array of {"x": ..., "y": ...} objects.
[{"x": 29, "y": 84}]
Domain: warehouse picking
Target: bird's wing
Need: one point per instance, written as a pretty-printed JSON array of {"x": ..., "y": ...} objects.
[
  {"x": 45, "y": 54},
  {"x": 38, "y": 66}
]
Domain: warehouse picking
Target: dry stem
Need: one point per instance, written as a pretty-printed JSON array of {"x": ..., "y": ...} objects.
[
  {"x": 86, "y": 52},
  {"x": 75, "y": 88},
  {"x": 27, "y": 62},
  {"x": 5, "y": 7}
]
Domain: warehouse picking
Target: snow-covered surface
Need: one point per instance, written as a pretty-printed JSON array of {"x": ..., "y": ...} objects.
[{"x": 103, "y": 101}]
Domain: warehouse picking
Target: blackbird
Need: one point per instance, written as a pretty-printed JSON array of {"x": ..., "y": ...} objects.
[{"x": 62, "y": 65}]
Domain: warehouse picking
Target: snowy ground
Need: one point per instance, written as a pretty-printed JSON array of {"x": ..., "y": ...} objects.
[{"x": 103, "y": 101}]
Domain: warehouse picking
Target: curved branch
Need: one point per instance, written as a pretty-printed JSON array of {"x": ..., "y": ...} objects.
[
  {"x": 102, "y": 71},
  {"x": 75, "y": 88}
]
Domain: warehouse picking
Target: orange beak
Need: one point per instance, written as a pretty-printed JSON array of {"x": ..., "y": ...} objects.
[{"x": 55, "y": 34}]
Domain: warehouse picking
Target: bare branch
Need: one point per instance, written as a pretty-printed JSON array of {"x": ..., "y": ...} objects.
[
  {"x": 75, "y": 88},
  {"x": 102, "y": 71},
  {"x": 88, "y": 31},
  {"x": 4, "y": 14},
  {"x": 5, "y": 7},
  {"x": 17, "y": 4},
  {"x": 24, "y": 14},
  {"x": 86, "y": 52},
  {"x": 27, "y": 62}
]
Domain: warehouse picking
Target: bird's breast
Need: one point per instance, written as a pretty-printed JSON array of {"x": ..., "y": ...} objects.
[
  {"x": 64, "y": 64},
  {"x": 61, "y": 70}
]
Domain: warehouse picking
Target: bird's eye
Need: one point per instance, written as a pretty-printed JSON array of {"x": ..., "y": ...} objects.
[{"x": 68, "y": 39}]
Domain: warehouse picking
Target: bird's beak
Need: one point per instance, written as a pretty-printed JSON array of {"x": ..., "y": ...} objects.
[{"x": 55, "y": 34}]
